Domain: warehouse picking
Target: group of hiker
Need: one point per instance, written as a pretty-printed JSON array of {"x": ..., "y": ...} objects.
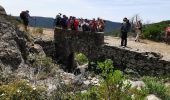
[
  {"x": 79, "y": 24},
  {"x": 85, "y": 25}
]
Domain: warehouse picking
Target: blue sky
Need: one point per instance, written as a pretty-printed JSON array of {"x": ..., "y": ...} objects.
[{"x": 114, "y": 10}]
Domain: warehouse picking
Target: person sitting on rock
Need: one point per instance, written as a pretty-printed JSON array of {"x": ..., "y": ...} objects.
[{"x": 24, "y": 15}]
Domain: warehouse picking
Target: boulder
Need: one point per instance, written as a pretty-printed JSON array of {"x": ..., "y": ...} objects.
[{"x": 152, "y": 97}]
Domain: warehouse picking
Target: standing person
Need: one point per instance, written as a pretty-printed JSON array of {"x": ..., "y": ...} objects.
[
  {"x": 76, "y": 24},
  {"x": 58, "y": 20},
  {"x": 93, "y": 25},
  {"x": 138, "y": 30},
  {"x": 64, "y": 22},
  {"x": 125, "y": 28},
  {"x": 24, "y": 15},
  {"x": 167, "y": 33}
]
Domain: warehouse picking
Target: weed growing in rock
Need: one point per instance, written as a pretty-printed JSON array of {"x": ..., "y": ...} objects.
[
  {"x": 81, "y": 58},
  {"x": 156, "y": 87}
]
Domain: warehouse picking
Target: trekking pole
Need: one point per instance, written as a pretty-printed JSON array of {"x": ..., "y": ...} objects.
[{"x": 35, "y": 21}]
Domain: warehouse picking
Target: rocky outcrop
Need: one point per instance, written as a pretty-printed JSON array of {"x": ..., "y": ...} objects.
[
  {"x": 13, "y": 45},
  {"x": 2, "y": 11}
]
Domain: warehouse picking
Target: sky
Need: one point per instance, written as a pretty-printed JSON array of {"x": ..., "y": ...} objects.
[{"x": 113, "y": 10}]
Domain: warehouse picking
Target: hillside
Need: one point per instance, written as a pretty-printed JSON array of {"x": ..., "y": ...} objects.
[
  {"x": 46, "y": 22},
  {"x": 155, "y": 31}
]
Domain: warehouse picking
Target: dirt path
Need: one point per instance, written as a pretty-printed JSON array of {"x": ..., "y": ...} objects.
[{"x": 143, "y": 46}]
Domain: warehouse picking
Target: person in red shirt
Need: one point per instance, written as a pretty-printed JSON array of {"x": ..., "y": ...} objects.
[
  {"x": 76, "y": 24},
  {"x": 93, "y": 25},
  {"x": 167, "y": 33}
]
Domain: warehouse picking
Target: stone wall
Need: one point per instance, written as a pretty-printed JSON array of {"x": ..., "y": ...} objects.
[
  {"x": 148, "y": 63},
  {"x": 92, "y": 45},
  {"x": 68, "y": 42}
]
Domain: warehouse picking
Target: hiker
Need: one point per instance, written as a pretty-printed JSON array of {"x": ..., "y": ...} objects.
[
  {"x": 76, "y": 24},
  {"x": 100, "y": 25},
  {"x": 85, "y": 26},
  {"x": 93, "y": 25},
  {"x": 125, "y": 28},
  {"x": 58, "y": 20},
  {"x": 24, "y": 15},
  {"x": 64, "y": 22},
  {"x": 167, "y": 33},
  {"x": 138, "y": 30}
]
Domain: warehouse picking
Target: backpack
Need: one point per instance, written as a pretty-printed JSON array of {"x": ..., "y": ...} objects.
[
  {"x": 126, "y": 27},
  {"x": 22, "y": 15},
  {"x": 139, "y": 25}
]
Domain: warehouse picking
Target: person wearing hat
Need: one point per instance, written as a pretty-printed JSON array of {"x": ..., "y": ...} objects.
[
  {"x": 125, "y": 28},
  {"x": 24, "y": 15}
]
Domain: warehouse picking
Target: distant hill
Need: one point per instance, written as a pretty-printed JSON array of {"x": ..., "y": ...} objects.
[{"x": 46, "y": 22}]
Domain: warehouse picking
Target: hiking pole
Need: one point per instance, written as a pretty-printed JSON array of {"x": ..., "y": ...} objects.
[{"x": 35, "y": 21}]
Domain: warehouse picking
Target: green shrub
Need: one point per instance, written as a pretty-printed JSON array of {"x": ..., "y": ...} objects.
[
  {"x": 81, "y": 58},
  {"x": 156, "y": 87},
  {"x": 155, "y": 31},
  {"x": 44, "y": 66},
  {"x": 112, "y": 86},
  {"x": 21, "y": 90}
]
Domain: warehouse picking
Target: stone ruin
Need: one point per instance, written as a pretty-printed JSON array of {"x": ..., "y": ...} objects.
[{"x": 67, "y": 42}]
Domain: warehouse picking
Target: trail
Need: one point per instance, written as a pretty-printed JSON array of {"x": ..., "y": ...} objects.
[{"x": 143, "y": 46}]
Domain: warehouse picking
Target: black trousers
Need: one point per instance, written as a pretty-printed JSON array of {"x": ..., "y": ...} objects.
[{"x": 124, "y": 39}]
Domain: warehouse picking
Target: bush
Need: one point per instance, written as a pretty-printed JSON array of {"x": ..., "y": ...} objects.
[
  {"x": 81, "y": 58},
  {"x": 37, "y": 32},
  {"x": 112, "y": 86},
  {"x": 155, "y": 31},
  {"x": 21, "y": 90},
  {"x": 156, "y": 87},
  {"x": 44, "y": 66}
]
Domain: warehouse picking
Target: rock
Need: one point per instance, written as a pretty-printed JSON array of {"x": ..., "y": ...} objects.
[
  {"x": 152, "y": 97},
  {"x": 36, "y": 48},
  {"x": 87, "y": 82},
  {"x": 84, "y": 91},
  {"x": 2, "y": 11},
  {"x": 12, "y": 46},
  {"x": 95, "y": 81},
  {"x": 137, "y": 84}
]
